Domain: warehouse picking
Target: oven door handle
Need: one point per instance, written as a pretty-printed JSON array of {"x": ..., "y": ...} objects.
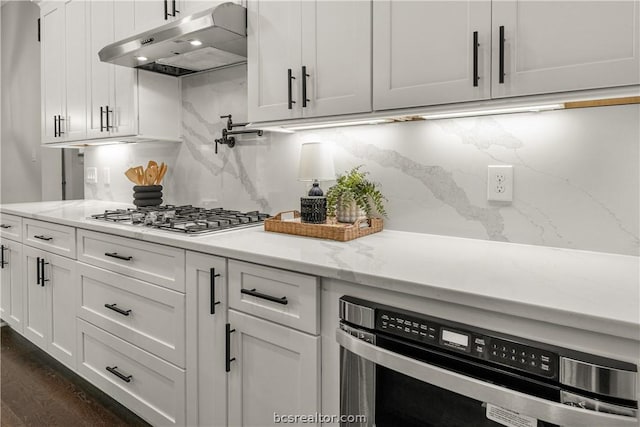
[{"x": 532, "y": 406}]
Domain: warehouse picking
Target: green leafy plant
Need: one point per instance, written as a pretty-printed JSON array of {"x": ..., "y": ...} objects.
[{"x": 354, "y": 186}]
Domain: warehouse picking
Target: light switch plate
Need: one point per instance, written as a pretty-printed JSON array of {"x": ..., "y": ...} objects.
[
  {"x": 500, "y": 183},
  {"x": 91, "y": 177}
]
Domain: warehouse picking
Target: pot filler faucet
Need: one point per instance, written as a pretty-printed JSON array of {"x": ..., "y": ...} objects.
[{"x": 227, "y": 138}]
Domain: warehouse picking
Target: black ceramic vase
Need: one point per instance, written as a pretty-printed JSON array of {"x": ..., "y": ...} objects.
[{"x": 147, "y": 195}]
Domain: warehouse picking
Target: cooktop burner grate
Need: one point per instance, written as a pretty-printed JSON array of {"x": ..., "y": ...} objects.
[{"x": 184, "y": 219}]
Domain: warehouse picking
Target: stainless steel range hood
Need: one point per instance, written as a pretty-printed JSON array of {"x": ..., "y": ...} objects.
[{"x": 205, "y": 40}]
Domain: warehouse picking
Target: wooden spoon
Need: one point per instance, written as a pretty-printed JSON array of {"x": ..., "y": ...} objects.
[
  {"x": 151, "y": 174},
  {"x": 140, "y": 174},
  {"x": 161, "y": 172},
  {"x": 132, "y": 175}
]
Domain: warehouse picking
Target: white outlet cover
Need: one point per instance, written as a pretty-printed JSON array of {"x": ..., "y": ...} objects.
[
  {"x": 500, "y": 183},
  {"x": 91, "y": 176}
]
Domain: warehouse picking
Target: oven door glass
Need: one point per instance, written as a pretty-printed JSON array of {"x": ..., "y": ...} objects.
[{"x": 401, "y": 400}]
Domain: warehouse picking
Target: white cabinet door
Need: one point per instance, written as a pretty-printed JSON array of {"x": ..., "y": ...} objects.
[
  {"x": 99, "y": 74},
  {"x": 53, "y": 68},
  {"x": 123, "y": 117},
  {"x": 336, "y": 52},
  {"x": 552, "y": 46},
  {"x": 189, "y": 7},
  {"x": 50, "y": 303},
  {"x": 60, "y": 281},
  {"x": 423, "y": 52},
  {"x": 149, "y": 14},
  {"x": 11, "y": 302},
  {"x": 273, "y": 52},
  {"x": 75, "y": 123},
  {"x": 276, "y": 371},
  {"x": 36, "y": 320},
  {"x": 206, "y": 318}
]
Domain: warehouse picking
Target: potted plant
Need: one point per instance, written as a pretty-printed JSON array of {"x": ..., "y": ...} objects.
[{"x": 354, "y": 197}]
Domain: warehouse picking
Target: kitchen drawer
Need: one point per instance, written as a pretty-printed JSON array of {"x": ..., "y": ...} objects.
[
  {"x": 149, "y": 316},
  {"x": 281, "y": 296},
  {"x": 159, "y": 264},
  {"x": 11, "y": 227},
  {"x": 54, "y": 238},
  {"x": 149, "y": 386}
]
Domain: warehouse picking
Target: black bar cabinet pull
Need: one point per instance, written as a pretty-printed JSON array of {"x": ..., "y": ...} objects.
[
  {"x": 5, "y": 226},
  {"x": 304, "y": 86},
  {"x": 42, "y": 237},
  {"x": 475, "y": 59},
  {"x": 228, "y": 359},
  {"x": 108, "y": 127},
  {"x": 60, "y": 120},
  {"x": 501, "y": 65},
  {"x": 42, "y": 279},
  {"x": 2, "y": 261},
  {"x": 115, "y": 255},
  {"x": 114, "y": 371},
  {"x": 101, "y": 119},
  {"x": 254, "y": 293},
  {"x": 118, "y": 309},
  {"x": 173, "y": 4},
  {"x": 290, "y": 100},
  {"x": 166, "y": 10},
  {"x": 55, "y": 126},
  {"x": 212, "y": 279},
  {"x": 37, "y": 270}
]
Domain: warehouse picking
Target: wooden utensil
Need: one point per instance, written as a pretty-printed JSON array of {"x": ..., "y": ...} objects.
[
  {"x": 132, "y": 175},
  {"x": 161, "y": 172},
  {"x": 151, "y": 174},
  {"x": 140, "y": 174}
]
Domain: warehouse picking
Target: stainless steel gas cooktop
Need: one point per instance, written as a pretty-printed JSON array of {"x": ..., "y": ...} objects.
[{"x": 184, "y": 219}]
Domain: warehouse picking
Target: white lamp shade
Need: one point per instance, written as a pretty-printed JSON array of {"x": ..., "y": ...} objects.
[{"x": 316, "y": 162}]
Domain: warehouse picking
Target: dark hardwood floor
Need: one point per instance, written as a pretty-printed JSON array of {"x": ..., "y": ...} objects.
[{"x": 36, "y": 390}]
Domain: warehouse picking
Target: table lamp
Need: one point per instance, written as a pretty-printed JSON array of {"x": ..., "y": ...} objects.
[{"x": 316, "y": 164}]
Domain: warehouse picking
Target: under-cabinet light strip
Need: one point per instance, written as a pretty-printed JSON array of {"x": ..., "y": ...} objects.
[{"x": 508, "y": 110}]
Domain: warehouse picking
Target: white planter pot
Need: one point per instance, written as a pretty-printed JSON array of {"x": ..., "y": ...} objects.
[{"x": 349, "y": 212}]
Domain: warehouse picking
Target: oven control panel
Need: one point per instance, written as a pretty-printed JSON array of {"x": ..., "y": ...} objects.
[{"x": 464, "y": 340}]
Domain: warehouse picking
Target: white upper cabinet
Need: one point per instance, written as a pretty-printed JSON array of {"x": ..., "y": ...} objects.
[
  {"x": 424, "y": 53},
  {"x": 274, "y": 52},
  {"x": 53, "y": 66},
  {"x": 553, "y": 46},
  {"x": 149, "y": 14},
  {"x": 75, "y": 123},
  {"x": 336, "y": 54},
  {"x": 331, "y": 40}
]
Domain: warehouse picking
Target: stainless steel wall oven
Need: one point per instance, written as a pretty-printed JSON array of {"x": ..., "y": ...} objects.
[{"x": 402, "y": 368}]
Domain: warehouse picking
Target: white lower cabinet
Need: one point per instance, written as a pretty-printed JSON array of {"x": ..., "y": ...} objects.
[
  {"x": 50, "y": 294},
  {"x": 206, "y": 318},
  {"x": 11, "y": 302},
  {"x": 149, "y": 386},
  {"x": 274, "y": 372}
]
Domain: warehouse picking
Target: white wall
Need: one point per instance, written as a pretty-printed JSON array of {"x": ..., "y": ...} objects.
[
  {"x": 21, "y": 177},
  {"x": 576, "y": 172}
]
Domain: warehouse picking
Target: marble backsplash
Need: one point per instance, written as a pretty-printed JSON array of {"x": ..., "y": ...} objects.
[{"x": 576, "y": 172}]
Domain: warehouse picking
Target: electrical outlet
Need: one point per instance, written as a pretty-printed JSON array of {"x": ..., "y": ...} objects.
[
  {"x": 500, "y": 183},
  {"x": 92, "y": 176}
]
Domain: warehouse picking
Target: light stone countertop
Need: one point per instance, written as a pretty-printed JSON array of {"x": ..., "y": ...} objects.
[{"x": 587, "y": 290}]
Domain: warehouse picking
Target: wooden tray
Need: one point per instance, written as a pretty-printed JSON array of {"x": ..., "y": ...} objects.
[{"x": 332, "y": 229}]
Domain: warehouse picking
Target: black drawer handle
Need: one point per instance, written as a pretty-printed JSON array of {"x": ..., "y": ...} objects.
[
  {"x": 115, "y": 255},
  {"x": 476, "y": 77},
  {"x": 125, "y": 378},
  {"x": 290, "y": 100},
  {"x": 38, "y": 277},
  {"x": 256, "y": 294},
  {"x": 5, "y": 226},
  {"x": 118, "y": 309},
  {"x": 228, "y": 359},
  {"x": 41, "y": 237}
]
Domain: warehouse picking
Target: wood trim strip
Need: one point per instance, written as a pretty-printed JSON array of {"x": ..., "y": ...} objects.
[{"x": 603, "y": 102}]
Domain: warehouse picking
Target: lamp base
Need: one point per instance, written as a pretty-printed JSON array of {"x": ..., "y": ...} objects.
[
  {"x": 313, "y": 209},
  {"x": 315, "y": 190}
]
